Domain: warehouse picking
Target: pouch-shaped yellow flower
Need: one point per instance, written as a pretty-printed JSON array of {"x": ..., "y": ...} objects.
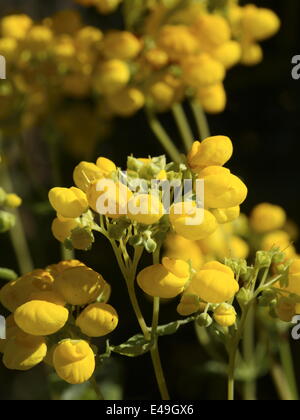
[
  {"x": 24, "y": 351},
  {"x": 225, "y": 315},
  {"x": 79, "y": 285},
  {"x": 121, "y": 45},
  {"x": 266, "y": 217},
  {"x": 146, "y": 209},
  {"x": 98, "y": 320},
  {"x": 177, "y": 267},
  {"x": 215, "y": 283},
  {"x": 191, "y": 222},
  {"x": 39, "y": 317},
  {"x": 202, "y": 70},
  {"x": 157, "y": 281},
  {"x": 74, "y": 361},
  {"x": 177, "y": 41},
  {"x": 85, "y": 173},
  {"x": 213, "y": 151},
  {"x": 62, "y": 229},
  {"x": 68, "y": 202}
]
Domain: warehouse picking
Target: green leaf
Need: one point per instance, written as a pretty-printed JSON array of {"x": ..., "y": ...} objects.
[
  {"x": 135, "y": 346},
  {"x": 173, "y": 327}
]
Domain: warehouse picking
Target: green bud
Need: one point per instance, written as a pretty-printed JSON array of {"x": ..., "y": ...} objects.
[
  {"x": 267, "y": 298},
  {"x": 279, "y": 257},
  {"x": 150, "y": 245},
  {"x": 82, "y": 238},
  {"x": 273, "y": 309},
  {"x": 7, "y": 221},
  {"x": 204, "y": 320},
  {"x": 244, "y": 296},
  {"x": 116, "y": 231},
  {"x": 160, "y": 162},
  {"x": 136, "y": 240},
  {"x": 263, "y": 259},
  {"x": 238, "y": 266},
  {"x": 134, "y": 164}
]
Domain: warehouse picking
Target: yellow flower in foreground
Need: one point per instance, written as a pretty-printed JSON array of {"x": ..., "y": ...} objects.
[
  {"x": 24, "y": 351},
  {"x": 213, "y": 151},
  {"x": 226, "y": 215},
  {"x": 41, "y": 318},
  {"x": 222, "y": 189},
  {"x": 74, "y": 361},
  {"x": 157, "y": 281},
  {"x": 225, "y": 315},
  {"x": 266, "y": 217},
  {"x": 215, "y": 283},
  {"x": 68, "y": 202},
  {"x": 177, "y": 267},
  {"x": 146, "y": 209},
  {"x": 98, "y": 320},
  {"x": 190, "y": 304},
  {"x": 191, "y": 222},
  {"x": 85, "y": 173},
  {"x": 106, "y": 166},
  {"x": 62, "y": 230},
  {"x": 79, "y": 285}
]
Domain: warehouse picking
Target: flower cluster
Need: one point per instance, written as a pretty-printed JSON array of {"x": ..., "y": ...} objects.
[
  {"x": 181, "y": 50},
  {"x": 55, "y": 313}
]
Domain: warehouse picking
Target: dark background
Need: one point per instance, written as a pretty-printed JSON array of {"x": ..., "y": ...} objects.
[{"x": 263, "y": 120}]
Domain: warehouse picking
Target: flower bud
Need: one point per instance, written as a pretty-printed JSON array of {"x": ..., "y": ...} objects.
[
  {"x": 68, "y": 202},
  {"x": 244, "y": 296},
  {"x": 74, "y": 361},
  {"x": 204, "y": 320},
  {"x": 7, "y": 221},
  {"x": 121, "y": 45},
  {"x": 213, "y": 151},
  {"x": 62, "y": 230},
  {"x": 82, "y": 238},
  {"x": 97, "y": 320},
  {"x": 85, "y": 173},
  {"x": 111, "y": 77},
  {"x": 225, "y": 315},
  {"x": 13, "y": 201}
]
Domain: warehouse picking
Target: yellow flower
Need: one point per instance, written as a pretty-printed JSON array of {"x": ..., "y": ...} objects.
[
  {"x": 222, "y": 189},
  {"x": 215, "y": 283},
  {"x": 229, "y": 53},
  {"x": 177, "y": 41},
  {"x": 112, "y": 76},
  {"x": 213, "y": 151},
  {"x": 121, "y": 45},
  {"x": 180, "y": 248},
  {"x": 225, "y": 315},
  {"x": 66, "y": 22},
  {"x": 202, "y": 70},
  {"x": 279, "y": 239},
  {"x": 85, "y": 173},
  {"x": 24, "y": 351},
  {"x": 74, "y": 361},
  {"x": 213, "y": 98},
  {"x": 38, "y": 38},
  {"x": 252, "y": 54},
  {"x": 212, "y": 30},
  {"x": 16, "y": 26},
  {"x": 41, "y": 317},
  {"x": 162, "y": 94},
  {"x": 89, "y": 36},
  {"x": 13, "y": 201},
  {"x": 62, "y": 229},
  {"x": 59, "y": 268},
  {"x": 107, "y": 6},
  {"x": 68, "y": 202},
  {"x": 9, "y": 48},
  {"x": 79, "y": 285},
  {"x": 259, "y": 23},
  {"x": 146, "y": 209},
  {"x": 48, "y": 296},
  {"x": 190, "y": 304},
  {"x": 226, "y": 215},
  {"x": 177, "y": 267},
  {"x": 157, "y": 281},
  {"x": 98, "y": 320},
  {"x": 266, "y": 217},
  {"x": 238, "y": 248},
  {"x": 109, "y": 198},
  {"x": 106, "y": 166},
  {"x": 191, "y": 222},
  {"x": 126, "y": 102},
  {"x": 157, "y": 58}
]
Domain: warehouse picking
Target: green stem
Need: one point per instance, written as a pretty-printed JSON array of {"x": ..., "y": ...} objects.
[
  {"x": 201, "y": 120},
  {"x": 67, "y": 254},
  {"x": 248, "y": 351},
  {"x": 163, "y": 137},
  {"x": 183, "y": 126},
  {"x": 280, "y": 382},
  {"x": 288, "y": 366},
  {"x": 17, "y": 233},
  {"x": 96, "y": 388},
  {"x": 233, "y": 351}
]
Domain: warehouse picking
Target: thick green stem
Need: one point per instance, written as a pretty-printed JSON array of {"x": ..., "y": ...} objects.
[
  {"x": 67, "y": 254},
  {"x": 280, "y": 382},
  {"x": 249, "y": 390},
  {"x": 163, "y": 137},
  {"x": 201, "y": 120},
  {"x": 183, "y": 126}
]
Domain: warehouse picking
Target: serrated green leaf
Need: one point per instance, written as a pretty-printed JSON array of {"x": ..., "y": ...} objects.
[{"x": 135, "y": 346}]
